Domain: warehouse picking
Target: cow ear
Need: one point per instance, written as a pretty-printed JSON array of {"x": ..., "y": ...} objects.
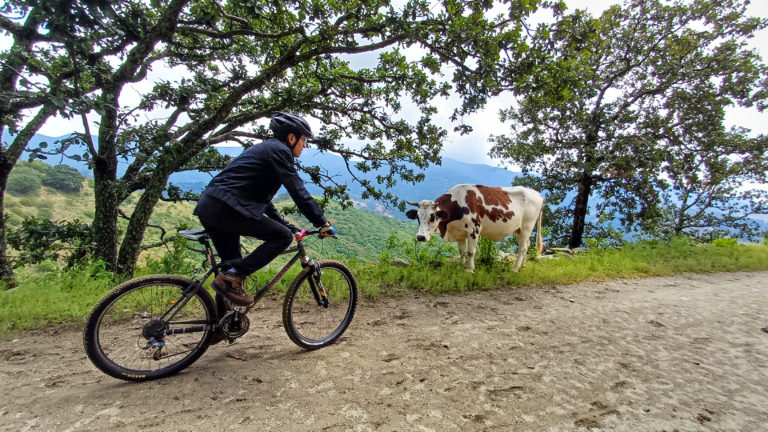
[
  {"x": 441, "y": 214},
  {"x": 412, "y": 214}
]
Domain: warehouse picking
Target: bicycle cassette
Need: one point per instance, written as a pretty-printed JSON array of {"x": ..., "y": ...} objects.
[{"x": 234, "y": 324}]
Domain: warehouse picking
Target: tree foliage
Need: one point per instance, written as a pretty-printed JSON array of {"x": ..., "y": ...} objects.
[
  {"x": 216, "y": 70},
  {"x": 24, "y": 181},
  {"x": 38, "y": 240},
  {"x": 64, "y": 178},
  {"x": 619, "y": 108}
]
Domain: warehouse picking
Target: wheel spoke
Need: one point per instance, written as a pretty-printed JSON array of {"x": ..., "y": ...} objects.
[
  {"x": 314, "y": 325},
  {"x": 122, "y": 328}
]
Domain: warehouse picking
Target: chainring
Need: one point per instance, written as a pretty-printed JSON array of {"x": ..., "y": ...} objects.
[{"x": 234, "y": 324}]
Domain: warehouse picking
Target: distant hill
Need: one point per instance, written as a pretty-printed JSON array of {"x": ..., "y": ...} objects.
[{"x": 438, "y": 178}]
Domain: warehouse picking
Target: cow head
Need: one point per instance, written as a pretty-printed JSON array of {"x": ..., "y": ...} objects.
[{"x": 428, "y": 215}]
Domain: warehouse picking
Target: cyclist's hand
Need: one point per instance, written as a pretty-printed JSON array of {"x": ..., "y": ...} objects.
[{"x": 327, "y": 231}]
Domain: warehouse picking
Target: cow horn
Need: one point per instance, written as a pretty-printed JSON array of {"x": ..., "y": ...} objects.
[{"x": 415, "y": 204}]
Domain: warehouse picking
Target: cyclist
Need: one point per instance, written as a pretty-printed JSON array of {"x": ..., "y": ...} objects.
[{"x": 238, "y": 201}]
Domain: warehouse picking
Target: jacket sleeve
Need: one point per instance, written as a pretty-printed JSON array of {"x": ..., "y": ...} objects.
[
  {"x": 272, "y": 213},
  {"x": 286, "y": 170}
]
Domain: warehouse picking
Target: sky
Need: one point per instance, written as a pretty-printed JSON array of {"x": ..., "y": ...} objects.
[{"x": 474, "y": 147}]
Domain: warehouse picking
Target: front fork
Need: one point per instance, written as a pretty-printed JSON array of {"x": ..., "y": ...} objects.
[{"x": 316, "y": 285}]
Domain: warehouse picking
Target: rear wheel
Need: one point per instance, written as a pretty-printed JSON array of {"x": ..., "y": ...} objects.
[
  {"x": 126, "y": 338},
  {"x": 310, "y": 321}
]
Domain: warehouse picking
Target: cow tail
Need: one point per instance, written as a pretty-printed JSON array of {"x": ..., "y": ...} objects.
[{"x": 539, "y": 243}]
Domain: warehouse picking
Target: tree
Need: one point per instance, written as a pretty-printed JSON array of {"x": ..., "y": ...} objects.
[
  {"x": 24, "y": 181},
  {"x": 607, "y": 105},
  {"x": 17, "y": 94},
  {"x": 38, "y": 79},
  {"x": 238, "y": 62},
  {"x": 64, "y": 178},
  {"x": 714, "y": 193}
]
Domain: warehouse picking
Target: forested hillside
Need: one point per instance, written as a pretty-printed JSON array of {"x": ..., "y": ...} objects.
[{"x": 362, "y": 234}]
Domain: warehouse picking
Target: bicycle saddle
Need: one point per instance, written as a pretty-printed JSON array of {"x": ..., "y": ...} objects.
[{"x": 194, "y": 234}]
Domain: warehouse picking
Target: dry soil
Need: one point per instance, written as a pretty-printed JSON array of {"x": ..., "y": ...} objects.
[{"x": 683, "y": 353}]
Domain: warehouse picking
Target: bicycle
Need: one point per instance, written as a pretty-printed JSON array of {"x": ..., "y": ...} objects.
[{"x": 155, "y": 326}]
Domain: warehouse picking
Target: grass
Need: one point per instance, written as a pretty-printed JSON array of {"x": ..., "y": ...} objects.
[
  {"x": 53, "y": 297},
  {"x": 47, "y": 295},
  {"x": 632, "y": 261}
]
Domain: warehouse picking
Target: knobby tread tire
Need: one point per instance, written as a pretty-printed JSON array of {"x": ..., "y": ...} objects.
[
  {"x": 90, "y": 333},
  {"x": 290, "y": 297}
]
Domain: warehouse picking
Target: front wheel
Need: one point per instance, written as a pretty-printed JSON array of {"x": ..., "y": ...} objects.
[
  {"x": 311, "y": 320},
  {"x": 127, "y": 335}
]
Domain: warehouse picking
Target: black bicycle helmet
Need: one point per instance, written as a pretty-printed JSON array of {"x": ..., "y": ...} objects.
[{"x": 283, "y": 124}]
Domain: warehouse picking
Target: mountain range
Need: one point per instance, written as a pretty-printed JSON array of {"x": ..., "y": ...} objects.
[{"x": 438, "y": 178}]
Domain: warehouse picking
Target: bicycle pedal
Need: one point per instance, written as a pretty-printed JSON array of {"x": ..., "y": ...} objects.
[{"x": 235, "y": 307}]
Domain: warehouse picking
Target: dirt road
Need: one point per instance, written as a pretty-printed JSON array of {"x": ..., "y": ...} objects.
[{"x": 681, "y": 353}]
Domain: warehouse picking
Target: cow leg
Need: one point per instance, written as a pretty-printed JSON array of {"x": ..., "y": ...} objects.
[
  {"x": 523, "y": 243},
  {"x": 462, "y": 252},
  {"x": 471, "y": 248}
]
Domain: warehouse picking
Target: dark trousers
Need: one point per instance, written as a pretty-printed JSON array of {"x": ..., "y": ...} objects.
[{"x": 226, "y": 225}]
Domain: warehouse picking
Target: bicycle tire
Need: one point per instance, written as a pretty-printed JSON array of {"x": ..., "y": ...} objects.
[
  {"x": 113, "y": 335},
  {"x": 313, "y": 326}
]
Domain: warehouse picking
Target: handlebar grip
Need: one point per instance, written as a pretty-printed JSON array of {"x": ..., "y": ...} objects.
[
  {"x": 303, "y": 233},
  {"x": 328, "y": 230}
]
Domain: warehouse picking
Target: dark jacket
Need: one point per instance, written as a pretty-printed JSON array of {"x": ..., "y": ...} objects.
[{"x": 251, "y": 180}]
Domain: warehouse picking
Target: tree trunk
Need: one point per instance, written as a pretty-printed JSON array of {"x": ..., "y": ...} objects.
[
  {"x": 6, "y": 269},
  {"x": 134, "y": 235},
  {"x": 105, "y": 215},
  {"x": 107, "y": 196},
  {"x": 680, "y": 220},
  {"x": 580, "y": 211}
]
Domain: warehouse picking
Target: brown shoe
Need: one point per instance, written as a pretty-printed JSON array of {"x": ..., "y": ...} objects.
[{"x": 231, "y": 287}]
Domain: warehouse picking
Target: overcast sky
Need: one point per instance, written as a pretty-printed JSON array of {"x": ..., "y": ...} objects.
[{"x": 473, "y": 148}]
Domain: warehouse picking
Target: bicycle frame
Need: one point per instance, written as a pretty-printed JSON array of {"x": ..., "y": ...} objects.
[
  {"x": 301, "y": 253},
  {"x": 197, "y": 283}
]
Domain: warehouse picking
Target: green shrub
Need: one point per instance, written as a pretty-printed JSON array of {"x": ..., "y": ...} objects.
[
  {"x": 40, "y": 239},
  {"x": 24, "y": 181},
  {"x": 12, "y": 219},
  {"x": 60, "y": 296},
  {"x": 176, "y": 261},
  {"x": 64, "y": 178},
  {"x": 432, "y": 252},
  {"x": 487, "y": 253},
  {"x": 725, "y": 242}
]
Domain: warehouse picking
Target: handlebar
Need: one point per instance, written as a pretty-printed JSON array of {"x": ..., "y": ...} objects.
[{"x": 305, "y": 233}]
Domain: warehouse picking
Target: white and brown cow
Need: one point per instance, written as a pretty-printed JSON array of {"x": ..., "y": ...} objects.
[{"x": 468, "y": 211}]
